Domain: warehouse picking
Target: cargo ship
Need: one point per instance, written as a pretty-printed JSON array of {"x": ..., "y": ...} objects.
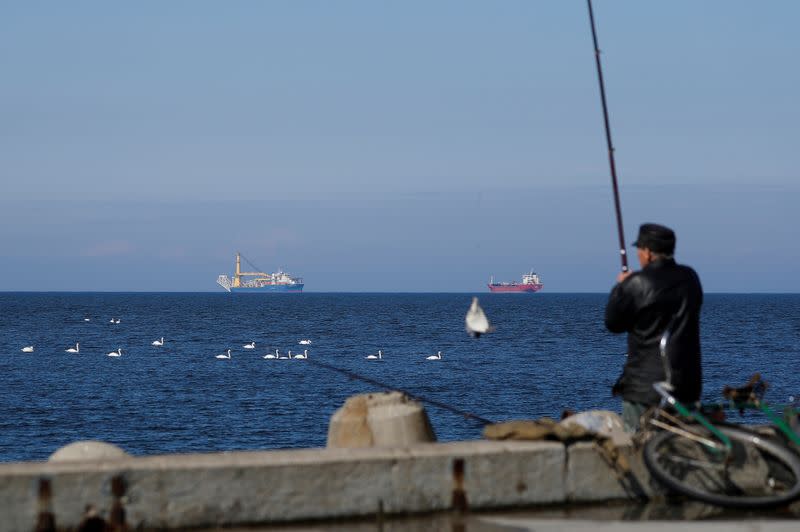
[
  {"x": 530, "y": 283},
  {"x": 259, "y": 282}
]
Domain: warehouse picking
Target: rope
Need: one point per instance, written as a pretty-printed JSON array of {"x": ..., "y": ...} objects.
[{"x": 256, "y": 268}]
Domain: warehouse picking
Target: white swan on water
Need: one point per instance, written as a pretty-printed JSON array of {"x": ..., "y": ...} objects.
[
  {"x": 75, "y": 349},
  {"x": 159, "y": 342},
  {"x": 271, "y": 356},
  {"x": 379, "y": 356},
  {"x": 437, "y": 356},
  {"x": 304, "y": 342},
  {"x": 251, "y": 345},
  {"x": 303, "y": 356},
  {"x": 87, "y": 319},
  {"x": 285, "y": 358},
  {"x": 228, "y": 355},
  {"x": 117, "y": 353},
  {"x": 27, "y": 349}
]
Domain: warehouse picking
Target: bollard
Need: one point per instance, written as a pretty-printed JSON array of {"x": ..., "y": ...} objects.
[
  {"x": 384, "y": 419},
  {"x": 87, "y": 450}
]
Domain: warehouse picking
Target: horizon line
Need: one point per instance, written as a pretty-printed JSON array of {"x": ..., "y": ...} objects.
[{"x": 345, "y": 292}]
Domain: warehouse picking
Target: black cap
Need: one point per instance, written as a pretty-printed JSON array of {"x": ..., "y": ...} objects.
[{"x": 657, "y": 238}]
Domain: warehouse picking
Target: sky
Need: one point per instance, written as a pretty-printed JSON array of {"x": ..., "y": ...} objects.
[{"x": 393, "y": 146}]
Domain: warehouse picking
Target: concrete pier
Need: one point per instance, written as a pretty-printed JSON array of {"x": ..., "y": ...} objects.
[{"x": 246, "y": 488}]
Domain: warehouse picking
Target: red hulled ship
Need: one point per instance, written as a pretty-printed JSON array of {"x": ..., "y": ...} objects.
[{"x": 530, "y": 283}]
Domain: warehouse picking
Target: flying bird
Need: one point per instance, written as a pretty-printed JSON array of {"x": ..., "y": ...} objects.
[{"x": 476, "y": 321}]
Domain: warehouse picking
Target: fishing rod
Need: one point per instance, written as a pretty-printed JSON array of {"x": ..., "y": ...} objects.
[
  {"x": 620, "y": 231},
  {"x": 353, "y": 375}
]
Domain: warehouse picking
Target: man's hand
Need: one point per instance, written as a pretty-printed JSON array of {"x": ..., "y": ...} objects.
[{"x": 623, "y": 275}]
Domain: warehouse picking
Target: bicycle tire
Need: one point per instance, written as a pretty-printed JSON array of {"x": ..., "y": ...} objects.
[{"x": 749, "y": 450}]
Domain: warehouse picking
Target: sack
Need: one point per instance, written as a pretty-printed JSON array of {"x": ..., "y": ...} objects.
[
  {"x": 601, "y": 426},
  {"x": 593, "y": 424}
]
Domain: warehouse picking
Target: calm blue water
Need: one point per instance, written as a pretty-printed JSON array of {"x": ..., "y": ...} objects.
[{"x": 550, "y": 352}]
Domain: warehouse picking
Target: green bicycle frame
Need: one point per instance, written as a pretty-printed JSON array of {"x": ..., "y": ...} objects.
[{"x": 777, "y": 420}]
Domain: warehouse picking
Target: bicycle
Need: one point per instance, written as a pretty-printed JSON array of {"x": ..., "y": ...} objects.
[{"x": 719, "y": 463}]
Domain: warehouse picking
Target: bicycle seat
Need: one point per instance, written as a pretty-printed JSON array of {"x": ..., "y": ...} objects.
[{"x": 752, "y": 391}]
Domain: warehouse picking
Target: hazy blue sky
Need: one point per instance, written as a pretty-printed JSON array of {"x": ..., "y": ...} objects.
[{"x": 411, "y": 145}]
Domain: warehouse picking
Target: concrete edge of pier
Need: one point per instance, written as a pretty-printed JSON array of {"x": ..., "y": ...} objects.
[{"x": 261, "y": 487}]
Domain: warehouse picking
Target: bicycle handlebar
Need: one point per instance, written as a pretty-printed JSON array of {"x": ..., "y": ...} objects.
[
  {"x": 663, "y": 389},
  {"x": 662, "y": 349}
]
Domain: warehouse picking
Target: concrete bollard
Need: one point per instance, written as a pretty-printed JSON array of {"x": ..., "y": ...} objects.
[
  {"x": 348, "y": 426},
  {"x": 87, "y": 450},
  {"x": 383, "y": 419}
]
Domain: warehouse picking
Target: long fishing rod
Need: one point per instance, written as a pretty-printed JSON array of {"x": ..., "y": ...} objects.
[
  {"x": 353, "y": 375},
  {"x": 623, "y": 255}
]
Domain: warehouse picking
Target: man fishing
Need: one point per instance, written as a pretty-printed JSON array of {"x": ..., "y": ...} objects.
[{"x": 643, "y": 304}]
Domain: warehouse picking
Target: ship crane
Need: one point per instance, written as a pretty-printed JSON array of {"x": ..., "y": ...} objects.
[{"x": 239, "y": 273}]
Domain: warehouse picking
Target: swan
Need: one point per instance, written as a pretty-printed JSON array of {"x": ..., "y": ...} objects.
[
  {"x": 28, "y": 349},
  {"x": 284, "y": 358},
  {"x": 117, "y": 353},
  {"x": 271, "y": 356},
  {"x": 86, "y": 319},
  {"x": 303, "y": 356},
  {"x": 251, "y": 345},
  {"x": 117, "y": 322},
  {"x": 304, "y": 342},
  {"x": 225, "y": 356},
  {"x": 379, "y": 356},
  {"x": 76, "y": 349},
  {"x": 159, "y": 342},
  {"x": 437, "y": 356}
]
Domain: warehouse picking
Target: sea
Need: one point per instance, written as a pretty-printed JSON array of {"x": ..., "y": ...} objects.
[{"x": 549, "y": 353}]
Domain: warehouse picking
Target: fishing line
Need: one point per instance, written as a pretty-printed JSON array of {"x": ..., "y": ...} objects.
[
  {"x": 620, "y": 231},
  {"x": 353, "y": 375}
]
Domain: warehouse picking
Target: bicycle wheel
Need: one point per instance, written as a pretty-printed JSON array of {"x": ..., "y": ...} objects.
[{"x": 758, "y": 473}]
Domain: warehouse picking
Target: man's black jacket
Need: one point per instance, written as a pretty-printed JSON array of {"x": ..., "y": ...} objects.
[{"x": 643, "y": 306}]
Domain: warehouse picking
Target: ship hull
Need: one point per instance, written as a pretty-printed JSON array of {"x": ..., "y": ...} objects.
[
  {"x": 269, "y": 289},
  {"x": 515, "y": 288}
]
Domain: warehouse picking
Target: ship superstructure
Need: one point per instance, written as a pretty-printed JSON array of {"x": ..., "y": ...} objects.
[
  {"x": 530, "y": 283},
  {"x": 256, "y": 282}
]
